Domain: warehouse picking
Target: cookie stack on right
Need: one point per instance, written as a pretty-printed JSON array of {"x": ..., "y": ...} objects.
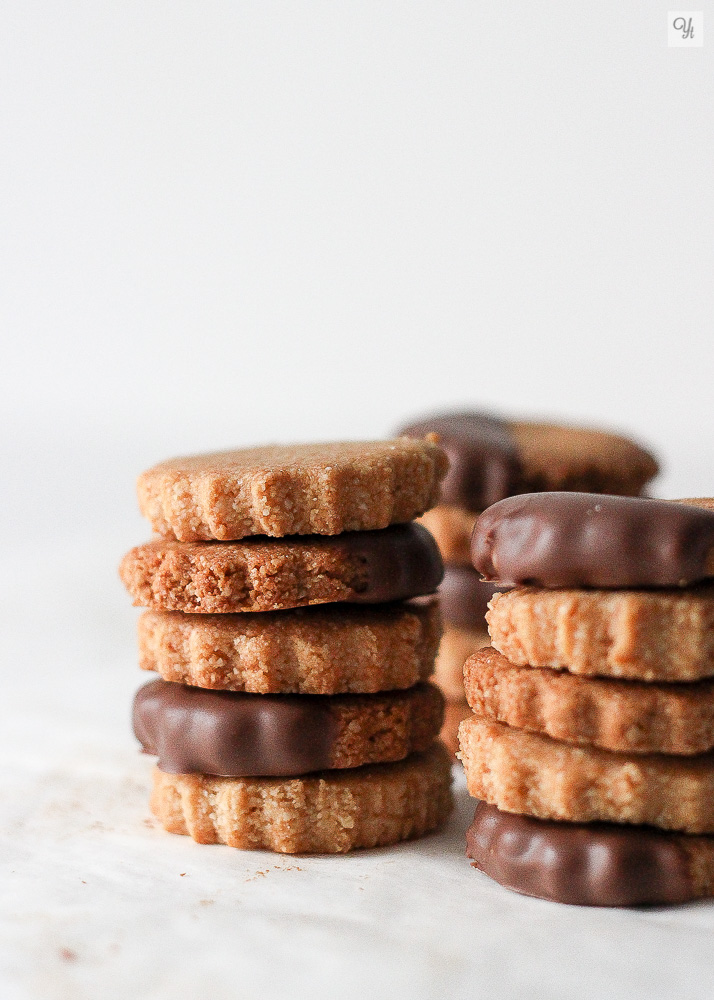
[
  {"x": 592, "y": 738},
  {"x": 490, "y": 459}
]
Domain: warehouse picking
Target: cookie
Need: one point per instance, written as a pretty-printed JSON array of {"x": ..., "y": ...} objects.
[
  {"x": 491, "y": 459},
  {"x": 590, "y": 864},
  {"x": 526, "y": 773},
  {"x": 585, "y": 540},
  {"x": 278, "y": 490},
  {"x": 320, "y": 650},
  {"x": 237, "y": 735},
  {"x": 624, "y": 716},
  {"x": 330, "y": 813},
  {"x": 452, "y": 528},
  {"x": 456, "y": 646},
  {"x": 271, "y": 574},
  {"x": 464, "y": 597},
  {"x": 649, "y": 635}
]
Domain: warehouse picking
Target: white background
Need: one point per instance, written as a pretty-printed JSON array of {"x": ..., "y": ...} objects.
[{"x": 228, "y": 223}]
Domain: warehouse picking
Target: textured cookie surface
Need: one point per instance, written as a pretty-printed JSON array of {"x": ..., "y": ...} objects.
[
  {"x": 590, "y": 864},
  {"x": 234, "y": 734},
  {"x": 624, "y": 716},
  {"x": 523, "y": 772},
  {"x": 319, "y": 650},
  {"x": 330, "y": 813},
  {"x": 650, "y": 635},
  {"x": 276, "y": 490},
  {"x": 586, "y": 540},
  {"x": 456, "y": 646},
  {"x": 272, "y": 574}
]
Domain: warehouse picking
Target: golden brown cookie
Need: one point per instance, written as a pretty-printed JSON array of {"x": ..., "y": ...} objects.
[
  {"x": 456, "y": 646},
  {"x": 452, "y": 528},
  {"x": 522, "y": 772},
  {"x": 369, "y": 567},
  {"x": 624, "y": 716},
  {"x": 555, "y": 457},
  {"x": 649, "y": 635},
  {"x": 330, "y": 813},
  {"x": 278, "y": 490},
  {"x": 319, "y": 650},
  {"x": 238, "y": 735}
]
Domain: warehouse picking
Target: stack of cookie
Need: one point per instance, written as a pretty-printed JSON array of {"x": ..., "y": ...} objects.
[
  {"x": 593, "y": 734},
  {"x": 277, "y": 724},
  {"x": 491, "y": 459}
]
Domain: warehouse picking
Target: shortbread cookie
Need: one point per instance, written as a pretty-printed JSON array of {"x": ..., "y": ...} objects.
[
  {"x": 525, "y": 773},
  {"x": 464, "y": 597},
  {"x": 236, "y": 735},
  {"x": 355, "y": 649},
  {"x": 649, "y": 635},
  {"x": 366, "y": 567},
  {"x": 452, "y": 528},
  {"x": 586, "y": 540},
  {"x": 454, "y": 714},
  {"x": 277, "y": 490},
  {"x": 456, "y": 646},
  {"x": 625, "y": 716},
  {"x": 330, "y": 813},
  {"x": 590, "y": 864},
  {"x": 491, "y": 459}
]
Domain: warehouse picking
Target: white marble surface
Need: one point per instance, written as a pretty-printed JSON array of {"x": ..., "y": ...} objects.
[{"x": 98, "y": 902}]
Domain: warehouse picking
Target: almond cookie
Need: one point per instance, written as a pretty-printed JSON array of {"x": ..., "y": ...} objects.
[
  {"x": 625, "y": 716},
  {"x": 525, "y": 773},
  {"x": 278, "y": 490},
  {"x": 649, "y": 635},
  {"x": 590, "y": 864},
  {"x": 491, "y": 458},
  {"x": 236, "y": 735},
  {"x": 456, "y": 646},
  {"x": 454, "y": 714},
  {"x": 366, "y": 567},
  {"x": 452, "y": 528},
  {"x": 586, "y": 540},
  {"x": 330, "y": 813},
  {"x": 319, "y": 650}
]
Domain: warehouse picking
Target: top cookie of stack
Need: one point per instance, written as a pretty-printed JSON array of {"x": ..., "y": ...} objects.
[
  {"x": 491, "y": 459},
  {"x": 311, "y": 719}
]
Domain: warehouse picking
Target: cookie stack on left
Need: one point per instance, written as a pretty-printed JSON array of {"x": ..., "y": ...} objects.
[{"x": 293, "y": 711}]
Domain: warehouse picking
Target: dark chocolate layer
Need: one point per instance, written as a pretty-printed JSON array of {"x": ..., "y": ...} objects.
[
  {"x": 464, "y": 597},
  {"x": 483, "y": 460},
  {"x": 400, "y": 562},
  {"x": 590, "y": 540},
  {"x": 230, "y": 734},
  {"x": 585, "y": 864}
]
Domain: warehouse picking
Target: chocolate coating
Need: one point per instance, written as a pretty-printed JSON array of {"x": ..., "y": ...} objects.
[
  {"x": 591, "y": 540},
  {"x": 231, "y": 734},
  {"x": 585, "y": 864},
  {"x": 400, "y": 562},
  {"x": 464, "y": 597},
  {"x": 483, "y": 460}
]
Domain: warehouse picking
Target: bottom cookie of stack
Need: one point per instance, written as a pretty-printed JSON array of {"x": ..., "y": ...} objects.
[{"x": 331, "y": 812}]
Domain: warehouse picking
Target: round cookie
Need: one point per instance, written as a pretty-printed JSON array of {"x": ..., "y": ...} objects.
[
  {"x": 452, "y": 528},
  {"x": 235, "y": 735},
  {"x": 330, "y": 813},
  {"x": 456, "y": 646},
  {"x": 523, "y": 772},
  {"x": 365, "y": 567},
  {"x": 586, "y": 540},
  {"x": 590, "y": 864},
  {"x": 649, "y": 635},
  {"x": 624, "y": 716},
  {"x": 320, "y": 650},
  {"x": 278, "y": 490},
  {"x": 491, "y": 459}
]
